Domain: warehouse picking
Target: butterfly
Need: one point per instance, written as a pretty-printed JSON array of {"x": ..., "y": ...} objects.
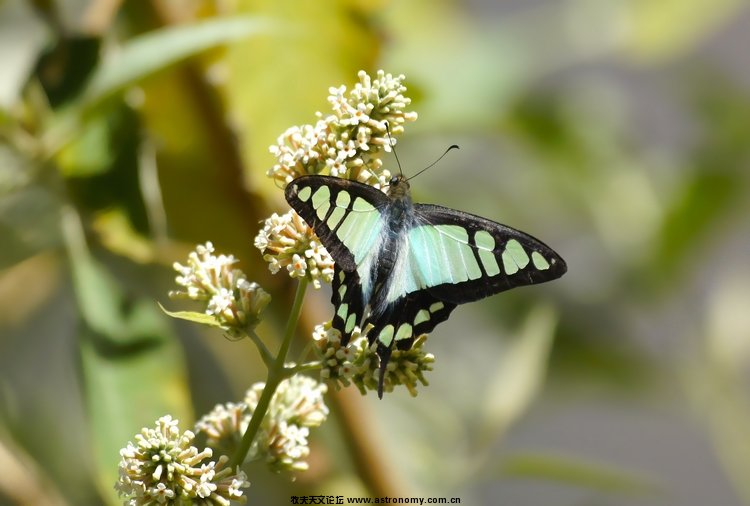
[{"x": 403, "y": 267}]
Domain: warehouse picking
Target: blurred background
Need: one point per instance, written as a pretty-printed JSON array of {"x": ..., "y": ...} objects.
[{"x": 617, "y": 131}]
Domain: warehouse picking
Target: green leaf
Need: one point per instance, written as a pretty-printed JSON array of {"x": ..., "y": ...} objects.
[
  {"x": 193, "y": 316},
  {"x": 577, "y": 472},
  {"x": 154, "y": 51},
  {"x": 132, "y": 366},
  {"x": 130, "y": 388}
]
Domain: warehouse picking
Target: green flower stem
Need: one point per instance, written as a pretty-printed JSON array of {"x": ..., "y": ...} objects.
[
  {"x": 309, "y": 366},
  {"x": 264, "y": 353},
  {"x": 306, "y": 351},
  {"x": 276, "y": 373}
]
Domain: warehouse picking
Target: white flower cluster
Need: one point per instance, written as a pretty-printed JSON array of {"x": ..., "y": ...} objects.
[
  {"x": 287, "y": 242},
  {"x": 347, "y": 143},
  {"x": 162, "y": 467},
  {"x": 338, "y": 362},
  {"x": 358, "y": 362},
  {"x": 230, "y": 298},
  {"x": 224, "y": 426},
  {"x": 297, "y": 406}
]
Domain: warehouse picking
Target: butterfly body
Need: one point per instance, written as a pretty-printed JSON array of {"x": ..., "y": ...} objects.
[{"x": 403, "y": 267}]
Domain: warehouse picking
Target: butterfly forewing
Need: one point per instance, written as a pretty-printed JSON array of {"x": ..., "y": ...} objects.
[
  {"x": 343, "y": 213},
  {"x": 460, "y": 257}
]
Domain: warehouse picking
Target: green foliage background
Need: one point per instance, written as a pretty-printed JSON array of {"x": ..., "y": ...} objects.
[{"x": 616, "y": 130}]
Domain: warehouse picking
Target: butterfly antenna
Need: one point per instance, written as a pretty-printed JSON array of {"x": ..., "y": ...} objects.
[
  {"x": 393, "y": 146},
  {"x": 454, "y": 146}
]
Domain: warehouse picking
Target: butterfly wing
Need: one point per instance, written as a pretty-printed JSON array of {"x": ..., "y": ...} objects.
[
  {"x": 460, "y": 257},
  {"x": 346, "y": 217},
  {"x": 344, "y": 214},
  {"x": 446, "y": 258},
  {"x": 451, "y": 258}
]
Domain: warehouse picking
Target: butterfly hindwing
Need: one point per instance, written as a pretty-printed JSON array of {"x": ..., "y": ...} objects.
[{"x": 346, "y": 298}]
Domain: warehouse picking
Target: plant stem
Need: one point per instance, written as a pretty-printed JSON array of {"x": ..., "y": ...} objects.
[
  {"x": 264, "y": 353},
  {"x": 276, "y": 373}
]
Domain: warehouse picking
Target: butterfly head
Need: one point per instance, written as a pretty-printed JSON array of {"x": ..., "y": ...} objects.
[{"x": 398, "y": 187}]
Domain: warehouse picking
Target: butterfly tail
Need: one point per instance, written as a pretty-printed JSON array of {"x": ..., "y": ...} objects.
[{"x": 384, "y": 353}]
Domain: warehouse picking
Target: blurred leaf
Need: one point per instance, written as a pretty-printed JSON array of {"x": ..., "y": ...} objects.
[
  {"x": 599, "y": 354},
  {"x": 100, "y": 299},
  {"x": 705, "y": 196},
  {"x": 155, "y": 51},
  {"x": 29, "y": 208},
  {"x": 116, "y": 233},
  {"x": 21, "y": 481},
  {"x": 133, "y": 370},
  {"x": 22, "y": 38},
  {"x": 446, "y": 37},
  {"x": 716, "y": 185},
  {"x": 89, "y": 154},
  {"x": 574, "y": 471},
  {"x": 716, "y": 379},
  {"x": 130, "y": 389}
]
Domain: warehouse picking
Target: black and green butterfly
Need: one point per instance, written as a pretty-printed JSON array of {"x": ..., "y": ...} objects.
[{"x": 404, "y": 267}]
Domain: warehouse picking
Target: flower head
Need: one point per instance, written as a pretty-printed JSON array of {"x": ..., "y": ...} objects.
[
  {"x": 163, "y": 467},
  {"x": 405, "y": 367},
  {"x": 233, "y": 301},
  {"x": 296, "y": 407},
  {"x": 224, "y": 426},
  {"x": 349, "y": 142},
  {"x": 287, "y": 242},
  {"x": 339, "y": 363},
  {"x": 358, "y": 362}
]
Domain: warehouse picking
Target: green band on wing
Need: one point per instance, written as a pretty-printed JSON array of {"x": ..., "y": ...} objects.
[
  {"x": 386, "y": 335},
  {"x": 343, "y": 311},
  {"x": 359, "y": 230},
  {"x": 484, "y": 240},
  {"x": 514, "y": 257},
  {"x": 422, "y": 316},
  {"x": 351, "y": 321},
  {"x": 441, "y": 254},
  {"x": 336, "y": 215},
  {"x": 405, "y": 331},
  {"x": 539, "y": 261},
  {"x": 486, "y": 247},
  {"x": 322, "y": 196},
  {"x": 304, "y": 193}
]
